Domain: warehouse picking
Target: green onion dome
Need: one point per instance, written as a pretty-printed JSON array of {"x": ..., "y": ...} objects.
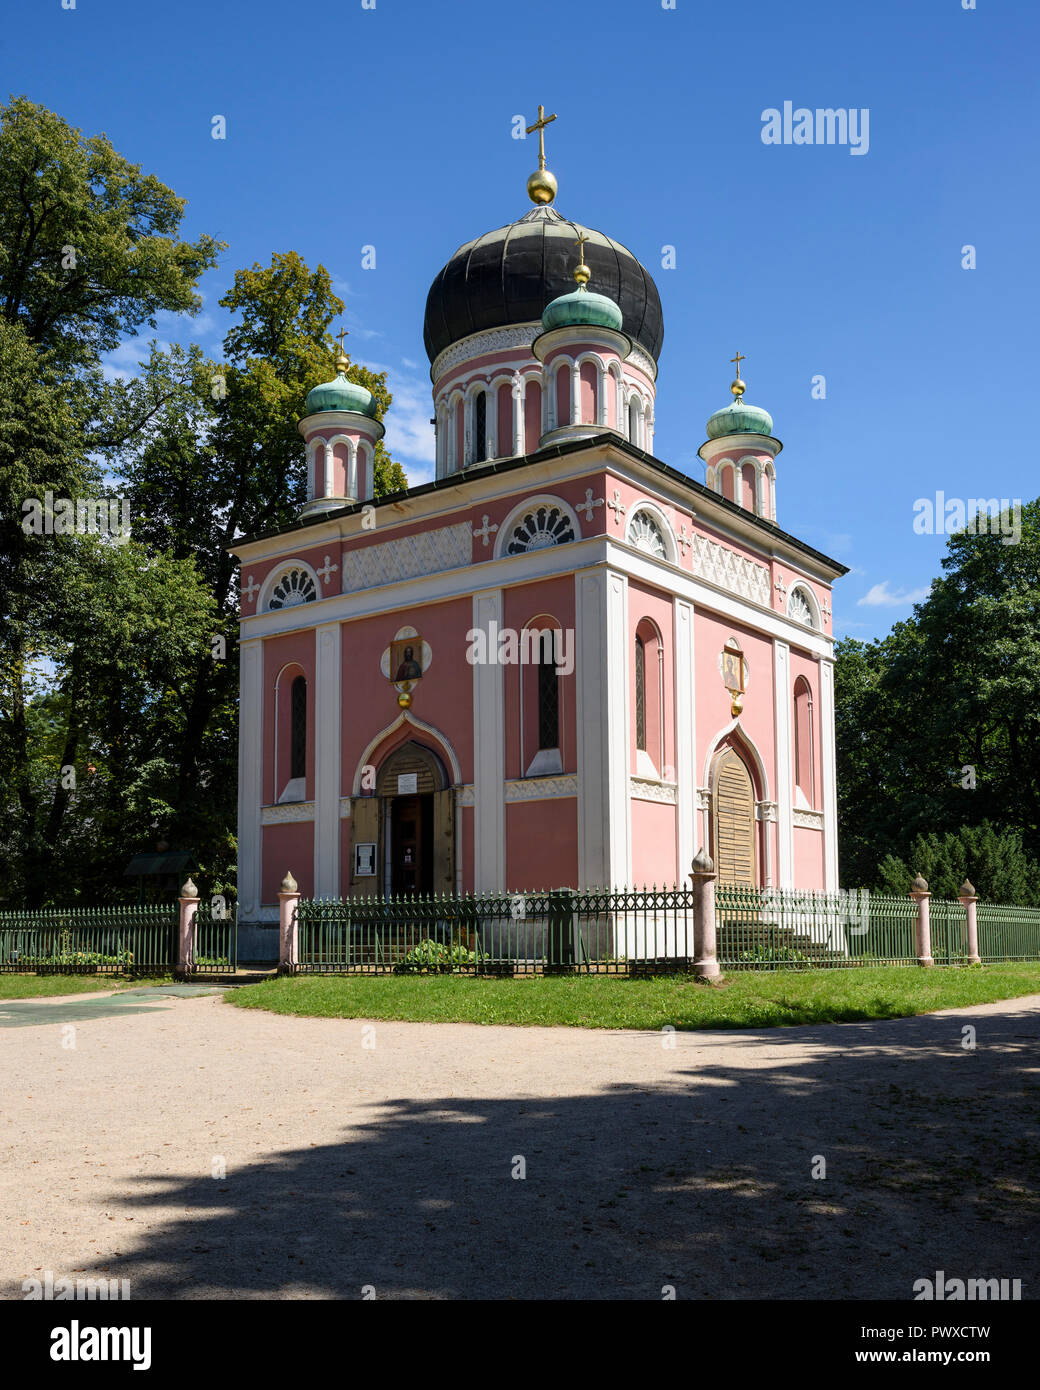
[
  {"x": 740, "y": 417},
  {"x": 340, "y": 394},
  {"x": 582, "y": 306}
]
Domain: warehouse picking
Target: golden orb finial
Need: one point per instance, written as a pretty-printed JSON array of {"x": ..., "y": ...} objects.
[
  {"x": 581, "y": 271},
  {"x": 738, "y": 387},
  {"x": 541, "y": 186}
]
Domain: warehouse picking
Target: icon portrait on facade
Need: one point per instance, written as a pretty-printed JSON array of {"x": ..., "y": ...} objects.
[{"x": 405, "y": 662}]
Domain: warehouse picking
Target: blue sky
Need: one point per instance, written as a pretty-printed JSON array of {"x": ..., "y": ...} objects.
[{"x": 392, "y": 127}]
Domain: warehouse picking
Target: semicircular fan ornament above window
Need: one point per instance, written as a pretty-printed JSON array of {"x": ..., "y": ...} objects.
[
  {"x": 799, "y": 608},
  {"x": 540, "y": 527},
  {"x": 295, "y": 587},
  {"x": 644, "y": 532}
]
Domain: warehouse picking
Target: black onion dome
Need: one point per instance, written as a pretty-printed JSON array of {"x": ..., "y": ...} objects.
[{"x": 510, "y": 275}]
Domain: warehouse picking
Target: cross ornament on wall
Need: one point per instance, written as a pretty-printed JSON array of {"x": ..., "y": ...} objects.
[
  {"x": 251, "y": 589},
  {"x": 588, "y": 505},
  {"x": 780, "y": 587},
  {"x": 485, "y": 531},
  {"x": 826, "y": 607},
  {"x": 327, "y": 569},
  {"x": 617, "y": 506},
  {"x": 683, "y": 540}
]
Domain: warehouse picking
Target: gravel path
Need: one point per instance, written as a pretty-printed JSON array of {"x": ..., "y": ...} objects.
[{"x": 391, "y": 1166}]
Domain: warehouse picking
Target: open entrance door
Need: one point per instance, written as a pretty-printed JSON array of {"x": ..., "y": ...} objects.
[{"x": 411, "y": 844}]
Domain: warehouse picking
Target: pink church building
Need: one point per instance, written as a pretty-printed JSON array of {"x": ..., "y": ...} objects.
[{"x": 560, "y": 663}]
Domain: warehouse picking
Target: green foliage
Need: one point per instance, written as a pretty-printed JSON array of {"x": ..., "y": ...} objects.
[
  {"x": 950, "y": 697},
  {"x": 437, "y": 958},
  {"x": 992, "y": 860},
  {"x": 110, "y": 655},
  {"x": 88, "y": 243}
]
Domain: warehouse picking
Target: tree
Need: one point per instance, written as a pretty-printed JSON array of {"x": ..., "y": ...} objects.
[
  {"x": 938, "y": 724},
  {"x": 221, "y": 458},
  {"x": 993, "y": 861}
]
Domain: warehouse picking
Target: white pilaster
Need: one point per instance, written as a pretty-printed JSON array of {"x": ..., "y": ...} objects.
[
  {"x": 489, "y": 752},
  {"x": 784, "y": 802},
  {"x": 250, "y": 775},
  {"x": 602, "y": 667},
  {"x": 830, "y": 788},
  {"x": 327, "y": 759},
  {"x": 685, "y": 737},
  {"x": 518, "y": 398}
]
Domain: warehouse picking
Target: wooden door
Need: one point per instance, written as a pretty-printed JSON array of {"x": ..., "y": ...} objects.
[
  {"x": 734, "y": 814},
  {"x": 444, "y": 841},
  {"x": 364, "y": 830}
]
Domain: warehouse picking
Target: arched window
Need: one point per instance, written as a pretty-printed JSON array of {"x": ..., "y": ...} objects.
[
  {"x": 298, "y": 729},
  {"x": 480, "y": 427},
  {"x": 548, "y": 704},
  {"x": 633, "y": 421},
  {"x": 646, "y": 691},
  {"x": 804, "y": 770},
  {"x": 294, "y": 587},
  {"x": 640, "y": 694}
]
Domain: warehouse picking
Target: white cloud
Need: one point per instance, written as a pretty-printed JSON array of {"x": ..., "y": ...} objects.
[{"x": 881, "y": 596}]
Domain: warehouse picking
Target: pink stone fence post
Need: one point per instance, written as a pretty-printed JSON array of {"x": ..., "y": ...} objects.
[
  {"x": 189, "y": 906},
  {"x": 705, "y": 964},
  {"x": 919, "y": 892},
  {"x": 289, "y": 932},
  {"x": 969, "y": 898}
]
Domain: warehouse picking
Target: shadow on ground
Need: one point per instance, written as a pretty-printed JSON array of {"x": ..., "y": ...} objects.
[{"x": 704, "y": 1183}]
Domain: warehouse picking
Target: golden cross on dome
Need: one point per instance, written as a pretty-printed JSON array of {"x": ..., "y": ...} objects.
[
  {"x": 539, "y": 125},
  {"x": 581, "y": 271},
  {"x": 343, "y": 333},
  {"x": 738, "y": 359}
]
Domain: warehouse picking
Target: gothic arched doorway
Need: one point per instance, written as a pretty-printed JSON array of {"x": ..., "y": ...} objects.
[
  {"x": 403, "y": 832},
  {"x": 733, "y": 820}
]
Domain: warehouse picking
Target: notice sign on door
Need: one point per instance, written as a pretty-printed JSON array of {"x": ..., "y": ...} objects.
[
  {"x": 407, "y": 783},
  {"x": 364, "y": 861}
]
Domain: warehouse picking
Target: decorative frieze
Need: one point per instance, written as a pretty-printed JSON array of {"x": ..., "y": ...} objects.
[
  {"x": 287, "y": 813},
  {"x": 809, "y": 820},
  {"x": 646, "y": 789},
  {"x": 520, "y": 335},
  {"x": 425, "y": 552},
  {"x": 730, "y": 571},
  {"x": 526, "y": 789}
]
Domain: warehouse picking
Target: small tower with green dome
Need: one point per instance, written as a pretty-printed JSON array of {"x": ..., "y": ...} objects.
[
  {"x": 582, "y": 346},
  {"x": 740, "y": 452},
  {"x": 341, "y": 433}
]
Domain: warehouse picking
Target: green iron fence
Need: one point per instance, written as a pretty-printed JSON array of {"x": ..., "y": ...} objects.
[
  {"x": 787, "y": 928},
  {"x": 216, "y": 939},
  {"x": 1008, "y": 933},
  {"x": 89, "y": 941},
  {"x": 608, "y": 931}
]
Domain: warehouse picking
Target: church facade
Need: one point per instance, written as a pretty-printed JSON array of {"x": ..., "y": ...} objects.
[{"x": 561, "y": 662}]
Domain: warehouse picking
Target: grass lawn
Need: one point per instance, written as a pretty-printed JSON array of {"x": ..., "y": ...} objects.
[
  {"x": 743, "y": 1000},
  {"x": 40, "y": 986}
]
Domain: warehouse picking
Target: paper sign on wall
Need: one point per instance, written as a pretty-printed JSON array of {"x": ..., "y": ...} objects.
[
  {"x": 364, "y": 861},
  {"x": 407, "y": 783}
]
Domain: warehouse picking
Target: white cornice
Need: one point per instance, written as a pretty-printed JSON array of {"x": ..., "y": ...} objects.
[
  {"x": 582, "y": 333},
  {"x": 478, "y": 344},
  {"x": 344, "y": 419},
  {"x": 542, "y": 476}
]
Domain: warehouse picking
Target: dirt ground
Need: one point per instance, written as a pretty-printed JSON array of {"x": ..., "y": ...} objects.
[{"x": 202, "y": 1151}]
